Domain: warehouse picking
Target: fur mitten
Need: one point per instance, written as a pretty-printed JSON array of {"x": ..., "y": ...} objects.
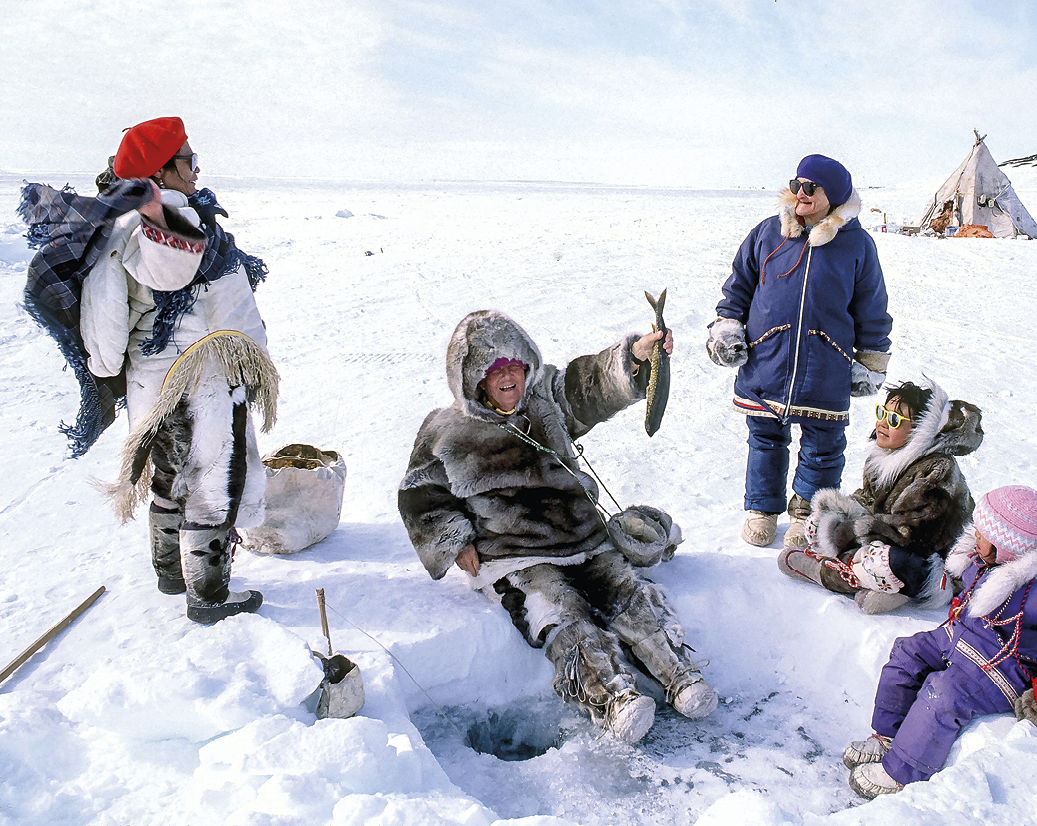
[
  {"x": 726, "y": 344},
  {"x": 864, "y": 382},
  {"x": 1025, "y": 707},
  {"x": 644, "y": 535},
  {"x": 878, "y": 602},
  {"x": 830, "y": 525}
]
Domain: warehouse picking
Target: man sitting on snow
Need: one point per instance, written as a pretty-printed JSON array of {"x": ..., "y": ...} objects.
[{"x": 494, "y": 486}]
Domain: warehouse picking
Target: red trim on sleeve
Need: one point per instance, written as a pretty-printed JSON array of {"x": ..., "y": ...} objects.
[{"x": 168, "y": 239}]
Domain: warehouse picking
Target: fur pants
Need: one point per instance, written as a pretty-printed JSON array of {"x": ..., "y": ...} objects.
[
  {"x": 582, "y": 613},
  {"x": 207, "y": 472}
]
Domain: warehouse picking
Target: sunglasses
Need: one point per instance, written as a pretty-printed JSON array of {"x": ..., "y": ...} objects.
[
  {"x": 892, "y": 417},
  {"x": 193, "y": 160},
  {"x": 808, "y": 187}
]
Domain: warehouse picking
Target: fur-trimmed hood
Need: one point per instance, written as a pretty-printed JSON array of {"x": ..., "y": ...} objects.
[
  {"x": 999, "y": 584},
  {"x": 823, "y": 231},
  {"x": 949, "y": 426},
  {"x": 478, "y": 340}
]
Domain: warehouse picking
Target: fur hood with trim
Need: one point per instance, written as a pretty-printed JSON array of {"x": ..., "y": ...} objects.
[
  {"x": 823, "y": 231},
  {"x": 472, "y": 479},
  {"x": 478, "y": 340},
  {"x": 999, "y": 582},
  {"x": 948, "y": 426}
]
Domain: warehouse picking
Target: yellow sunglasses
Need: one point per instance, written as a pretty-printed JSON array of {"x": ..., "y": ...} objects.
[{"x": 891, "y": 416}]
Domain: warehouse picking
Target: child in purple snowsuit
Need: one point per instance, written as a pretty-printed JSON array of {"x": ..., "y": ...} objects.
[{"x": 978, "y": 662}]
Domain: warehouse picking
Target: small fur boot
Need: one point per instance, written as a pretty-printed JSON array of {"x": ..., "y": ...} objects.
[
  {"x": 803, "y": 565},
  {"x": 760, "y": 528},
  {"x": 871, "y": 750},
  {"x": 799, "y": 512},
  {"x": 870, "y": 780}
]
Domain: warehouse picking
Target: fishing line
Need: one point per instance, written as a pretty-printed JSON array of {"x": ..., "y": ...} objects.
[{"x": 435, "y": 705}]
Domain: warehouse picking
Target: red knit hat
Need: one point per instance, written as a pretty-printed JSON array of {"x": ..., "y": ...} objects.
[{"x": 146, "y": 147}]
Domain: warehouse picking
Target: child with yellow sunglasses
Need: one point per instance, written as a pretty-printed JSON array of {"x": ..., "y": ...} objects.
[{"x": 885, "y": 544}]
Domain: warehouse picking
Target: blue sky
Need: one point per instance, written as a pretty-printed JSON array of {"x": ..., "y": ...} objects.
[{"x": 704, "y": 93}]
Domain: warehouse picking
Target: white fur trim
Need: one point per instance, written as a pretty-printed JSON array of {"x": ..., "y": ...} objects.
[
  {"x": 884, "y": 466},
  {"x": 998, "y": 585},
  {"x": 823, "y": 231},
  {"x": 492, "y": 570},
  {"x": 830, "y": 510},
  {"x": 963, "y": 552},
  {"x": 937, "y": 590}
]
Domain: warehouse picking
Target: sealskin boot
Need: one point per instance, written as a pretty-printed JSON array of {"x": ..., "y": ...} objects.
[
  {"x": 589, "y": 673},
  {"x": 803, "y": 565},
  {"x": 205, "y": 558},
  {"x": 799, "y": 511},
  {"x": 164, "y": 531},
  {"x": 630, "y": 715}
]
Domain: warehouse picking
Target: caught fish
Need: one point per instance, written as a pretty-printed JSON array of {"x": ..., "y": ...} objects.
[{"x": 659, "y": 381}]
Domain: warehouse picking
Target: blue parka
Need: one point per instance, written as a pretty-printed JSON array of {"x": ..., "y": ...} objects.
[{"x": 811, "y": 302}]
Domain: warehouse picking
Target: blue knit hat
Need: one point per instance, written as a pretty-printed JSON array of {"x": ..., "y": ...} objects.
[{"x": 832, "y": 175}]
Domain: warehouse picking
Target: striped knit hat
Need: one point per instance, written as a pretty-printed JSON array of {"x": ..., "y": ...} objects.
[{"x": 1007, "y": 518}]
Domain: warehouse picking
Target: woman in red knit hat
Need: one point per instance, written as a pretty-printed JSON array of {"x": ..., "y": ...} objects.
[{"x": 170, "y": 302}]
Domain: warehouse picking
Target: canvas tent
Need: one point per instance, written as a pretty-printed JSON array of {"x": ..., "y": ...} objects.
[{"x": 979, "y": 193}]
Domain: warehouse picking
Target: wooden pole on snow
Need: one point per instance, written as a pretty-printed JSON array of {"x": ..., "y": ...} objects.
[{"x": 51, "y": 634}]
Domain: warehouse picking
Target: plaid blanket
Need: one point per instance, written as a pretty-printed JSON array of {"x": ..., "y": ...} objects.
[{"x": 70, "y": 231}]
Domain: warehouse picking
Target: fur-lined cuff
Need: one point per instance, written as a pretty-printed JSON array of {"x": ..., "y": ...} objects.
[{"x": 874, "y": 361}]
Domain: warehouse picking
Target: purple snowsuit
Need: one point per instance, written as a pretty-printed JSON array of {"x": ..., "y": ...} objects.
[{"x": 936, "y": 681}]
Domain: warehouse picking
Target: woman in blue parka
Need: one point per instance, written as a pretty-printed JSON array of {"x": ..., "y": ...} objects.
[{"x": 804, "y": 319}]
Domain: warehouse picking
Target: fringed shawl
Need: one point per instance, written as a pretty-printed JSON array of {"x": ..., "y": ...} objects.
[{"x": 229, "y": 353}]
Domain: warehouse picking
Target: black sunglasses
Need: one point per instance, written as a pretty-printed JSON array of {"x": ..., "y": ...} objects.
[
  {"x": 808, "y": 187},
  {"x": 193, "y": 160}
]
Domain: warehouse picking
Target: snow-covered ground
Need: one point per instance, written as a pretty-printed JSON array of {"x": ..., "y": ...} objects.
[{"x": 135, "y": 715}]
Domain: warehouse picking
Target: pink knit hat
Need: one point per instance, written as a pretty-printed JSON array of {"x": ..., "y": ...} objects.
[
  {"x": 1007, "y": 518},
  {"x": 503, "y": 361}
]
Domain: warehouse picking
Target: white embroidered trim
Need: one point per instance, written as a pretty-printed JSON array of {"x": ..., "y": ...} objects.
[{"x": 996, "y": 677}]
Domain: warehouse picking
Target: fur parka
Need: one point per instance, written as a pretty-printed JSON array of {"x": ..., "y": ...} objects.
[
  {"x": 812, "y": 301},
  {"x": 473, "y": 480},
  {"x": 915, "y": 498}
]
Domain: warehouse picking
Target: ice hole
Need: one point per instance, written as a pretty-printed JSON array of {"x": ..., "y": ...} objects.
[{"x": 514, "y": 735}]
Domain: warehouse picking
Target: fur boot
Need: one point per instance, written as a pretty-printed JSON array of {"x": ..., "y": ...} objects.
[
  {"x": 760, "y": 528},
  {"x": 205, "y": 558},
  {"x": 799, "y": 511},
  {"x": 588, "y": 672},
  {"x": 164, "y": 529},
  {"x": 639, "y": 627}
]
